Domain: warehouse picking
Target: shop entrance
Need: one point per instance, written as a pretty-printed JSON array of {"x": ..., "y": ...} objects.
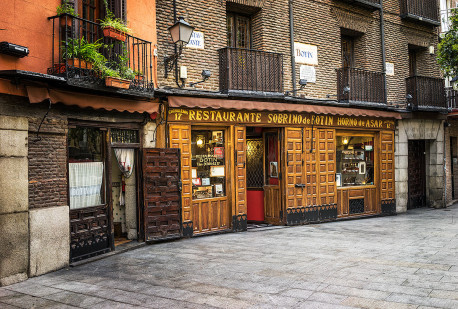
[
  {"x": 417, "y": 174},
  {"x": 263, "y": 176}
]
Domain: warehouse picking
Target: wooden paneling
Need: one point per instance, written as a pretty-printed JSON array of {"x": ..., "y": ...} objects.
[
  {"x": 295, "y": 175},
  {"x": 327, "y": 166},
  {"x": 387, "y": 165},
  {"x": 272, "y": 204},
  {"x": 368, "y": 194},
  {"x": 180, "y": 137},
  {"x": 162, "y": 196},
  {"x": 212, "y": 214},
  {"x": 240, "y": 170},
  {"x": 311, "y": 174}
]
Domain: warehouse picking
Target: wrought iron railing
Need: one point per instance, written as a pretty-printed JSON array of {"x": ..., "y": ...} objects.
[
  {"x": 250, "y": 70},
  {"x": 452, "y": 98},
  {"x": 426, "y": 92},
  {"x": 359, "y": 85},
  {"x": 132, "y": 57},
  {"x": 424, "y": 9}
]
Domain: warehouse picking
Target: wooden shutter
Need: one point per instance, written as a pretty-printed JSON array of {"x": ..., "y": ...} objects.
[
  {"x": 180, "y": 137},
  {"x": 118, "y": 7},
  {"x": 311, "y": 177},
  {"x": 240, "y": 170},
  {"x": 327, "y": 166},
  {"x": 294, "y": 168},
  {"x": 387, "y": 165},
  {"x": 161, "y": 191}
]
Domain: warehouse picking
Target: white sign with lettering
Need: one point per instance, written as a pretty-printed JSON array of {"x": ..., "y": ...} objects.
[
  {"x": 390, "y": 68},
  {"x": 197, "y": 40},
  {"x": 308, "y": 72},
  {"x": 306, "y": 54}
]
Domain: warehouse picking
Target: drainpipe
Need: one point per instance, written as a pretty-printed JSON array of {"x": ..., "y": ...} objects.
[
  {"x": 175, "y": 48},
  {"x": 291, "y": 36},
  {"x": 382, "y": 35}
]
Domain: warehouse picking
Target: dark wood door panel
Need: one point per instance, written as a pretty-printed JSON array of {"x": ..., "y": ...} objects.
[{"x": 417, "y": 174}]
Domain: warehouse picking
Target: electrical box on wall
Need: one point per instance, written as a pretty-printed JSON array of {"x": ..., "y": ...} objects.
[{"x": 13, "y": 50}]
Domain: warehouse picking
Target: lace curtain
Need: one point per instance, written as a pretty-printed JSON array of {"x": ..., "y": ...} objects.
[
  {"x": 126, "y": 160},
  {"x": 86, "y": 180}
]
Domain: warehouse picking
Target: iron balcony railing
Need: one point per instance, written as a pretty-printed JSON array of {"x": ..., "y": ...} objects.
[
  {"x": 374, "y": 4},
  {"x": 250, "y": 70},
  {"x": 421, "y": 10},
  {"x": 426, "y": 92},
  {"x": 452, "y": 98},
  {"x": 72, "y": 34},
  {"x": 357, "y": 85}
]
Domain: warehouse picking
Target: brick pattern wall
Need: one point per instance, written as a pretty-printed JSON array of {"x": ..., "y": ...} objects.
[
  {"x": 317, "y": 22},
  {"x": 47, "y": 163}
]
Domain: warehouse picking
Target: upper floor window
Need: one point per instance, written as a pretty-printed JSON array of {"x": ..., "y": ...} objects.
[
  {"x": 412, "y": 62},
  {"x": 89, "y": 9},
  {"x": 238, "y": 31},
  {"x": 347, "y": 52}
]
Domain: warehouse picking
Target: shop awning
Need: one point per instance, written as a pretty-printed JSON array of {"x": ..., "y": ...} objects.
[
  {"x": 40, "y": 94},
  {"x": 190, "y": 102}
]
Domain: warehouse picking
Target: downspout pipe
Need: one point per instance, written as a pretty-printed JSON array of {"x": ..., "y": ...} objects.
[
  {"x": 175, "y": 48},
  {"x": 382, "y": 37},
  {"x": 291, "y": 36}
]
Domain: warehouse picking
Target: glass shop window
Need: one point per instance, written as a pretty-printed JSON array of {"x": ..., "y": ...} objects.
[
  {"x": 355, "y": 161},
  {"x": 208, "y": 164},
  {"x": 86, "y": 167}
]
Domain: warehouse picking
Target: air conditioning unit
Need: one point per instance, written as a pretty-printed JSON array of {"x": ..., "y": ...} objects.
[{"x": 13, "y": 49}]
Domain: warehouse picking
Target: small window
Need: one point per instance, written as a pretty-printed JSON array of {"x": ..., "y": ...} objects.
[
  {"x": 208, "y": 164},
  {"x": 347, "y": 52},
  {"x": 355, "y": 161},
  {"x": 86, "y": 167}
]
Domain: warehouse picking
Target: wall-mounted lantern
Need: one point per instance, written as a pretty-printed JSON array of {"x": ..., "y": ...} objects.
[{"x": 181, "y": 33}]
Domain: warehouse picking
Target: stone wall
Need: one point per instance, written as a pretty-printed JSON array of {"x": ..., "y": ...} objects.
[
  {"x": 14, "y": 225},
  {"x": 451, "y": 132},
  {"x": 432, "y": 131}
]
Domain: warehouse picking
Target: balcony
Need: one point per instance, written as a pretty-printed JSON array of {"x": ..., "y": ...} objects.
[
  {"x": 357, "y": 85},
  {"x": 369, "y": 4},
  {"x": 426, "y": 92},
  {"x": 86, "y": 58},
  {"x": 425, "y": 11},
  {"x": 250, "y": 70}
]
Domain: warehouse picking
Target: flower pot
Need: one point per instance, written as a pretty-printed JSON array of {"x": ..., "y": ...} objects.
[
  {"x": 139, "y": 77},
  {"x": 114, "y": 34},
  {"x": 117, "y": 82},
  {"x": 79, "y": 63}
]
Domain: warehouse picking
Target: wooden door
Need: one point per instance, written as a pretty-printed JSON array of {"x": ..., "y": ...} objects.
[
  {"x": 327, "y": 166},
  {"x": 272, "y": 196},
  {"x": 162, "y": 193},
  {"x": 417, "y": 174},
  {"x": 180, "y": 137},
  {"x": 387, "y": 166},
  {"x": 295, "y": 184},
  {"x": 240, "y": 177},
  {"x": 311, "y": 175}
]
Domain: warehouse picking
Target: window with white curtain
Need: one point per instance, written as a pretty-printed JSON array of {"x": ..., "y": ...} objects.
[{"x": 85, "y": 167}]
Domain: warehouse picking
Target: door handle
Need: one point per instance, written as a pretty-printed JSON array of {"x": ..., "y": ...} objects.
[{"x": 300, "y": 185}]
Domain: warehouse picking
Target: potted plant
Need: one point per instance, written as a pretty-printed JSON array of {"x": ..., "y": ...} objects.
[
  {"x": 80, "y": 53},
  {"x": 113, "y": 78},
  {"x": 138, "y": 75},
  {"x": 63, "y": 10},
  {"x": 113, "y": 27},
  {"x": 118, "y": 74}
]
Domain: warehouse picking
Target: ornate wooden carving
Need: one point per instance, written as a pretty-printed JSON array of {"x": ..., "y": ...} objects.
[
  {"x": 295, "y": 181},
  {"x": 162, "y": 196}
]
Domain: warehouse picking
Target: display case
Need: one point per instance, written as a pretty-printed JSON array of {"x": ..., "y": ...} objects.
[{"x": 208, "y": 164}]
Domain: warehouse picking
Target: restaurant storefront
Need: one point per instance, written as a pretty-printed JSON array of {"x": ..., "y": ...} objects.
[{"x": 303, "y": 164}]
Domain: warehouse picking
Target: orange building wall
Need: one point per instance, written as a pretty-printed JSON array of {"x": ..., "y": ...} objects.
[{"x": 26, "y": 23}]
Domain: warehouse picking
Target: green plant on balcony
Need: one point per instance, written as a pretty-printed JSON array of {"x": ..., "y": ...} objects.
[
  {"x": 447, "y": 50},
  {"x": 82, "y": 54},
  {"x": 117, "y": 72},
  {"x": 114, "y": 27},
  {"x": 66, "y": 8}
]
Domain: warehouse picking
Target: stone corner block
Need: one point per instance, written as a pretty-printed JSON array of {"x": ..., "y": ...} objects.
[
  {"x": 13, "y": 279},
  {"x": 14, "y": 123},
  {"x": 49, "y": 239},
  {"x": 14, "y": 184}
]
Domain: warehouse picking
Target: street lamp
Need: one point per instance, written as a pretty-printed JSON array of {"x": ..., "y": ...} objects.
[{"x": 181, "y": 33}]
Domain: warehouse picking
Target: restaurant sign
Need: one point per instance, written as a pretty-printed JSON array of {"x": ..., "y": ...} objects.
[{"x": 277, "y": 118}]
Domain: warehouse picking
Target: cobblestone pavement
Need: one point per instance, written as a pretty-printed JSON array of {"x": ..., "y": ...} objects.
[{"x": 405, "y": 261}]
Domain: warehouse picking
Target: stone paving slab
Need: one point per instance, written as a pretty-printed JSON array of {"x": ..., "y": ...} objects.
[{"x": 408, "y": 261}]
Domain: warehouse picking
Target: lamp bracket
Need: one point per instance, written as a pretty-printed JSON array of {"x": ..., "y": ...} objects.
[{"x": 170, "y": 61}]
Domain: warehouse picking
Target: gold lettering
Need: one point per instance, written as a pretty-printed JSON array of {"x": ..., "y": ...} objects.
[
  {"x": 206, "y": 115},
  {"x": 218, "y": 116},
  {"x": 269, "y": 118},
  {"x": 226, "y": 116},
  {"x": 213, "y": 115},
  {"x": 232, "y": 116},
  {"x": 380, "y": 124},
  {"x": 191, "y": 115},
  {"x": 258, "y": 117},
  {"x": 239, "y": 117},
  {"x": 330, "y": 121},
  {"x": 275, "y": 118},
  {"x": 199, "y": 115},
  {"x": 178, "y": 116},
  {"x": 246, "y": 117}
]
